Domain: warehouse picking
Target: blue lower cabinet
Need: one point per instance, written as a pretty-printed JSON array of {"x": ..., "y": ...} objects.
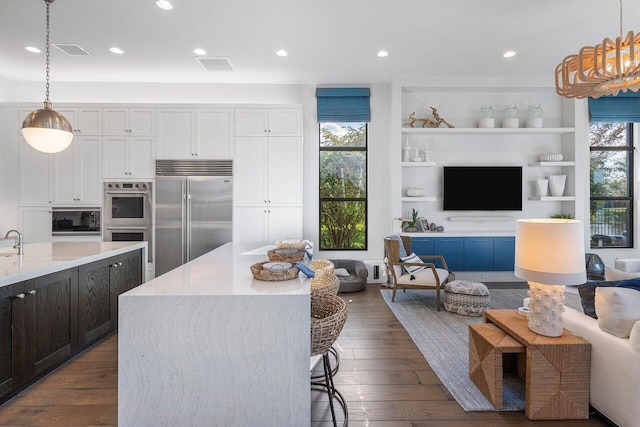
[
  {"x": 478, "y": 253},
  {"x": 422, "y": 245},
  {"x": 451, "y": 248},
  {"x": 504, "y": 249}
]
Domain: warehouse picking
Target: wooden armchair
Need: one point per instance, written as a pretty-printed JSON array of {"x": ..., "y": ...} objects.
[{"x": 422, "y": 275}]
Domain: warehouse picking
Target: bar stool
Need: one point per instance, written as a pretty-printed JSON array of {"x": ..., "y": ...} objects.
[
  {"x": 327, "y": 284},
  {"x": 328, "y": 316}
]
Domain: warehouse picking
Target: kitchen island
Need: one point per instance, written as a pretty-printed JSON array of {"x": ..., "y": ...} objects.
[
  {"x": 207, "y": 344},
  {"x": 56, "y": 299}
]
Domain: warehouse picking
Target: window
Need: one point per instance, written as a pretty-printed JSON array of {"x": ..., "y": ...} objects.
[
  {"x": 611, "y": 184},
  {"x": 343, "y": 186}
]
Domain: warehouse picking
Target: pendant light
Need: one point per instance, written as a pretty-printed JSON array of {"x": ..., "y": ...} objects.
[
  {"x": 604, "y": 69},
  {"x": 45, "y": 129}
]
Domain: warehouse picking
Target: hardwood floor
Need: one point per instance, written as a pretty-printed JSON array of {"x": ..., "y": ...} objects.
[{"x": 383, "y": 376}]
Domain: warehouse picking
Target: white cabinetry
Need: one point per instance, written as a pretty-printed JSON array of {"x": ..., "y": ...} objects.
[
  {"x": 267, "y": 223},
  {"x": 35, "y": 224},
  {"x": 132, "y": 121},
  {"x": 128, "y": 157},
  {"x": 35, "y": 176},
  {"x": 271, "y": 121},
  {"x": 77, "y": 172},
  {"x": 195, "y": 133},
  {"x": 83, "y": 120},
  {"x": 268, "y": 177}
]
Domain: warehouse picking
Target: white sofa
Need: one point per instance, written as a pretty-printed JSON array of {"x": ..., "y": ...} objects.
[{"x": 615, "y": 369}]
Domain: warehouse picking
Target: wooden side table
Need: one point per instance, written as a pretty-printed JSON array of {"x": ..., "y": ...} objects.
[{"x": 556, "y": 369}]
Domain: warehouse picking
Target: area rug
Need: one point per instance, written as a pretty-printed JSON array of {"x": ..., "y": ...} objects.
[{"x": 443, "y": 339}]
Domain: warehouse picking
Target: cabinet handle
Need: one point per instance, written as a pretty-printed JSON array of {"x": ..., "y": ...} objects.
[
  {"x": 21, "y": 296},
  {"x": 114, "y": 265},
  {"x": 32, "y": 292},
  {"x": 120, "y": 263}
]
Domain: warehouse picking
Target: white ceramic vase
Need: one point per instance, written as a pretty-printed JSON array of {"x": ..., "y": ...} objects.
[
  {"x": 556, "y": 184},
  {"x": 543, "y": 187}
]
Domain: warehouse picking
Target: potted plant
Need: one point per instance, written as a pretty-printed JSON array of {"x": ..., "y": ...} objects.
[
  {"x": 562, "y": 216},
  {"x": 411, "y": 225}
]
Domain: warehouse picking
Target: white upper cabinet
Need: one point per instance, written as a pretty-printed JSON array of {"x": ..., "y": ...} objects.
[
  {"x": 77, "y": 172},
  {"x": 128, "y": 157},
  {"x": 195, "y": 133},
  {"x": 176, "y": 133},
  {"x": 35, "y": 224},
  {"x": 128, "y": 121},
  {"x": 35, "y": 176},
  {"x": 83, "y": 120},
  {"x": 268, "y": 121},
  {"x": 214, "y": 131}
]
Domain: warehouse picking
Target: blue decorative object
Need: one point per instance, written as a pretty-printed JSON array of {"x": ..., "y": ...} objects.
[
  {"x": 622, "y": 108},
  {"x": 630, "y": 283},
  {"x": 305, "y": 270}
]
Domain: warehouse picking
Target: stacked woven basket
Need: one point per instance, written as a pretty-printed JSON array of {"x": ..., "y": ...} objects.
[{"x": 282, "y": 259}]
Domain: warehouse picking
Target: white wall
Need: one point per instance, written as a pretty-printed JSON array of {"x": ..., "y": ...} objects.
[
  {"x": 157, "y": 93},
  {"x": 6, "y": 87},
  {"x": 9, "y": 161}
]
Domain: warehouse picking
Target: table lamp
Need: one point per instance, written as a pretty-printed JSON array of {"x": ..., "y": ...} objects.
[{"x": 549, "y": 255}]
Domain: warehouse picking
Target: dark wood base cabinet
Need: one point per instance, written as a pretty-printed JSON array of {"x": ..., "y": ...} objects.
[{"x": 47, "y": 320}]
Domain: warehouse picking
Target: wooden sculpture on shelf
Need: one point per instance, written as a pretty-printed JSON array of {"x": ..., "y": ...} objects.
[{"x": 428, "y": 122}]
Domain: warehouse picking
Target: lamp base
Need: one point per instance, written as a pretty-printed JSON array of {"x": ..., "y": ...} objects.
[{"x": 546, "y": 304}]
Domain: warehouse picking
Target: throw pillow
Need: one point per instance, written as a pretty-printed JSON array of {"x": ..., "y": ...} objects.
[
  {"x": 631, "y": 284},
  {"x": 341, "y": 272},
  {"x": 613, "y": 274},
  {"x": 413, "y": 258},
  {"x": 634, "y": 337},
  {"x": 587, "y": 293},
  {"x": 305, "y": 270},
  {"x": 618, "y": 310}
]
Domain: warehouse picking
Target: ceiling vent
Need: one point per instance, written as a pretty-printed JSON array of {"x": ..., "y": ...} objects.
[
  {"x": 72, "y": 49},
  {"x": 215, "y": 64}
]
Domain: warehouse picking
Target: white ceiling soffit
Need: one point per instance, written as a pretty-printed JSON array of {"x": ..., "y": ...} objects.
[
  {"x": 215, "y": 64},
  {"x": 72, "y": 49}
]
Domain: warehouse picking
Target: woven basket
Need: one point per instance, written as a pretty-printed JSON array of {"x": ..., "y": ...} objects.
[
  {"x": 286, "y": 257},
  {"x": 322, "y": 266},
  {"x": 328, "y": 316},
  {"x": 291, "y": 244},
  {"x": 325, "y": 284},
  {"x": 272, "y": 274}
]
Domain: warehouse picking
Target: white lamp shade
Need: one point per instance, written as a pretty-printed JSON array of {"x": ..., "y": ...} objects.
[
  {"x": 550, "y": 251},
  {"x": 47, "y": 140}
]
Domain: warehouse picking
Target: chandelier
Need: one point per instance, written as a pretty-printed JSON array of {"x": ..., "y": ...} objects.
[
  {"x": 604, "y": 69},
  {"x": 45, "y": 129}
]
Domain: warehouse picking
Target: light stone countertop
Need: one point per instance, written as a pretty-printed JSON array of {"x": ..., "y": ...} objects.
[
  {"x": 44, "y": 258},
  {"x": 223, "y": 271}
]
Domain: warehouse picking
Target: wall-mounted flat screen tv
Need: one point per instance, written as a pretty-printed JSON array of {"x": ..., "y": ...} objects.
[{"x": 482, "y": 188}]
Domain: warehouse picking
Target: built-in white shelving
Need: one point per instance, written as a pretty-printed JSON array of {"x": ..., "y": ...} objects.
[
  {"x": 553, "y": 164},
  {"x": 554, "y": 198},
  {"x": 418, "y": 164},
  {"x": 487, "y": 131},
  {"x": 418, "y": 199}
]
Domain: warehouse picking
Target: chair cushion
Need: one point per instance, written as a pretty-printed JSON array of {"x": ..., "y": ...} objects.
[
  {"x": 341, "y": 272},
  {"x": 424, "y": 277},
  {"x": 412, "y": 269}
]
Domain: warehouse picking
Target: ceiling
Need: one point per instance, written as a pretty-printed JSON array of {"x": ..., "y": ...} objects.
[{"x": 329, "y": 42}]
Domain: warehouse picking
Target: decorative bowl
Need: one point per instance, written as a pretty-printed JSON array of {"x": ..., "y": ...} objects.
[
  {"x": 416, "y": 192},
  {"x": 551, "y": 157}
]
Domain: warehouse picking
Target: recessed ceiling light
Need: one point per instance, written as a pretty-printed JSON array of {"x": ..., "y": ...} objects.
[
  {"x": 383, "y": 53},
  {"x": 282, "y": 52},
  {"x": 164, "y": 4},
  {"x": 117, "y": 50},
  {"x": 199, "y": 52},
  {"x": 33, "y": 49},
  {"x": 509, "y": 54}
]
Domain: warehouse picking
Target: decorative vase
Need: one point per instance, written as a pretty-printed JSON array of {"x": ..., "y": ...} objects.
[
  {"x": 543, "y": 186},
  {"x": 487, "y": 117},
  {"x": 556, "y": 184},
  {"x": 406, "y": 151},
  {"x": 416, "y": 192},
  {"x": 511, "y": 117},
  {"x": 534, "y": 116}
]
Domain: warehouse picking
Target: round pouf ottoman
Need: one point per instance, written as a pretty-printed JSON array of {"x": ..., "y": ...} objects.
[{"x": 466, "y": 298}]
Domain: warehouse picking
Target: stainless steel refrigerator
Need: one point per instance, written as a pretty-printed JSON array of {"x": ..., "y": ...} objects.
[{"x": 194, "y": 213}]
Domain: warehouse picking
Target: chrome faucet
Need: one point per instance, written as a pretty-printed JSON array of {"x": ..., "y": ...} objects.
[{"x": 18, "y": 244}]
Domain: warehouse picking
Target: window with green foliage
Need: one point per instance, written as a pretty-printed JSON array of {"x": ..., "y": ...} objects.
[
  {"x": 343, "y": 186},
  {"x": 611, "y": 146}
]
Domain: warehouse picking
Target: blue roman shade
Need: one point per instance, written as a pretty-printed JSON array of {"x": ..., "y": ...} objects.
[
  {"x": 623, "y": 108},
  {"x": 343, "y": 105}
]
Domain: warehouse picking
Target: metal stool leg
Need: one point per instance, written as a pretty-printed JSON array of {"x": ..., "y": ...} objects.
[
  {"x": 334, "y": 370},
  {"x": 329, "y": 387}
]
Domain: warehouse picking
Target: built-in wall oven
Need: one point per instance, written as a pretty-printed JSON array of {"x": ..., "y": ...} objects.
[
  {"x": 74, "y": 221},
  {"x": 128, "y": 213}
]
